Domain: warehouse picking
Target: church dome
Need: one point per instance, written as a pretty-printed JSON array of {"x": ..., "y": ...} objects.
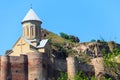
[{"x": 31, "y": 15}]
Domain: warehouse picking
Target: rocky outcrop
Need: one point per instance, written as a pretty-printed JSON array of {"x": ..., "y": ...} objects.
[{"x": 96, "y": 49}]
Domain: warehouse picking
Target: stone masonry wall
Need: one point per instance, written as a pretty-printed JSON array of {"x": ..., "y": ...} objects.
[
  {"x": 37, "y": 66},
  {"x": 98, "y": 66},
  {"x": 24, "y": 67},
  {"x": 13, "y": 68},
  {"x": 71, "y": 67},
  {"x": 17, "y": 67}
]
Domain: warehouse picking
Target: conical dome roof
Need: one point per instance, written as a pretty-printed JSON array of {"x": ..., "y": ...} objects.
[{"x": 31, "y": 15}]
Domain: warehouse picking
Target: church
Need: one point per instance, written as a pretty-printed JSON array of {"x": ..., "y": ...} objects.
[
  {"x": 30, "y": 40},
  {"x": 29, "y": 56}
]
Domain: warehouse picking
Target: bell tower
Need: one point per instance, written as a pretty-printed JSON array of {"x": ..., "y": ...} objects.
[{"x": 31, "y": 26}]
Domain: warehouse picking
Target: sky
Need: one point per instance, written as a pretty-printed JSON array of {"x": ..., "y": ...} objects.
[{"x": 87, "y": 19}]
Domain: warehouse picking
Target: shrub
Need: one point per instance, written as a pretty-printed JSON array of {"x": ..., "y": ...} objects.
[
  {"x": 63, "y": 35},
  {"x": 72, "y": 38}
]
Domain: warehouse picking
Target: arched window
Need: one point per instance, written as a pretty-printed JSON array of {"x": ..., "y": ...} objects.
[
  {"x": 27, "y": 31},
  {"x": 23, "y": 31},
  {"x": 36, "y": 31},
  {"x": 32, "y": 31}
]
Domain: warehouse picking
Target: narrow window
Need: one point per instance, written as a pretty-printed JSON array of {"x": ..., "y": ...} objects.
[
  {"x": 36, "y": 31},
  {"x": 27, "y": 31},
  {"x": 32, "y": 31},
  {"x": 23, "y": 31}
]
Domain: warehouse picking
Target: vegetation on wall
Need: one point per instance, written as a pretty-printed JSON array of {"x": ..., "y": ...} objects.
[
  {"x": 112, "y": 63},
  {"x": 81, "y": 76}
]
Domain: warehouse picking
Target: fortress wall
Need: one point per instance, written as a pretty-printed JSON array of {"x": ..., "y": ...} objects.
[
  {"x": 86, "y": 68},
  {"x": 35, "y": 66},
  {"x": 4, "y": 67},
  {"x": 45, "y": 65},
  {"x": 50, "y": 69},
  {"x": 98, "y": 66},
  {"x": 71, "y": 67},
  {"x": 60, "y": 64},
  {"x": 18, "y": 67}
]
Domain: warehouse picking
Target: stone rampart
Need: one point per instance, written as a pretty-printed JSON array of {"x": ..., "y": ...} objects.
[
  {"x": 18, "y": 67},
  {"x": 98, "y": 66},
  {"x": 71, "y": 67},
  {"x": 37, "y": 66}
]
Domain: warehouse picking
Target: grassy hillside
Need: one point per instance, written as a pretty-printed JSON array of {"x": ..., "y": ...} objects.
[{"x": 60, "y": 46}]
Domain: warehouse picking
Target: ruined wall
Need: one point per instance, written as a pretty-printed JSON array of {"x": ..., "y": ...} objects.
[
  {"x": 98, "y": 66},
  {"x": 86, "y": 68},
  {"x": 71, "y": 67},
  {"x": 60, "y": 64}
]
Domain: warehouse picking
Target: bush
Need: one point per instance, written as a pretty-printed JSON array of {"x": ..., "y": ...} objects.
[
  {"x": 63, "y": 35},
  {"x": 63, "y": 76},
  {"x": 93, "y": 40},
  {"x": 70, "y": 37}
]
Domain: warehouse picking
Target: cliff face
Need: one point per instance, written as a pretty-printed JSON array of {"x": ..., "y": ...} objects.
[{"x": 96, "y": 49}]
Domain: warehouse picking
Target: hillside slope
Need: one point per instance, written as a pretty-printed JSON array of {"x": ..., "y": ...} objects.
[{"x": 110, "y": 51}]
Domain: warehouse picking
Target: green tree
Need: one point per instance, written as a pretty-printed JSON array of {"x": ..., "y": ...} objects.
[
  {"x": 63, "y": 35},
  {"x": 72, "y": 38}
]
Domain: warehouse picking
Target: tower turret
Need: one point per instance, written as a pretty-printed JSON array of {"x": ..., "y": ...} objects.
[{"x": 31, "y": 26}]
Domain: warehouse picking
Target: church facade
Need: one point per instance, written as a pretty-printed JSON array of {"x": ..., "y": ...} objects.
[{"x": 31, "y": 36}]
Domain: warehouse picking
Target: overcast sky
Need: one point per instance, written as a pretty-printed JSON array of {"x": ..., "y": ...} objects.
[{"x": 87, "y": 19}]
